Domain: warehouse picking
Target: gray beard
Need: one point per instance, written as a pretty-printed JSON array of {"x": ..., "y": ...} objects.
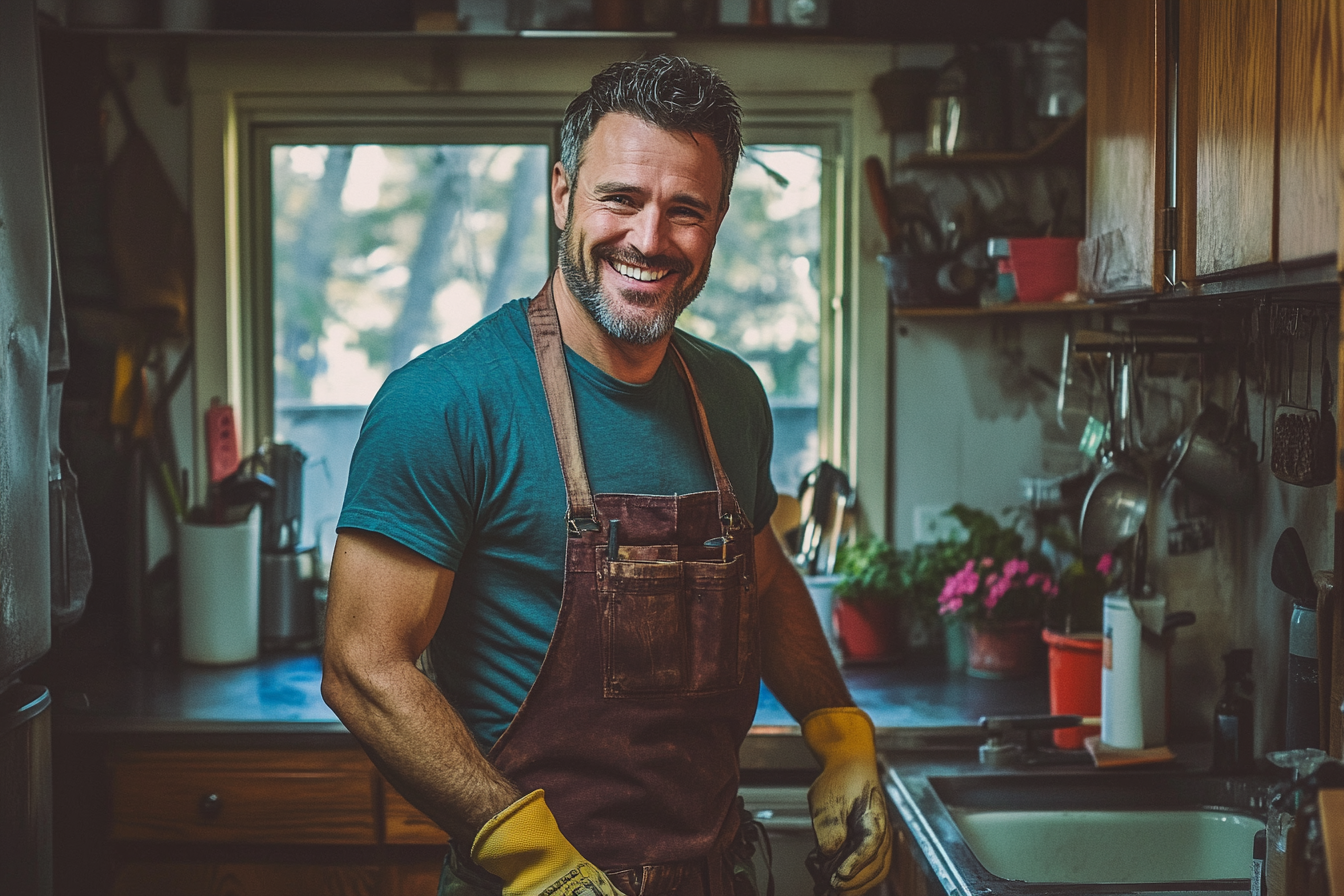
[{"x": 586, "y": 285}]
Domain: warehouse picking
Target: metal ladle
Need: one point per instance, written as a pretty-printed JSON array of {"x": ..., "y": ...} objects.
[{"x": 1117, "y": 502}]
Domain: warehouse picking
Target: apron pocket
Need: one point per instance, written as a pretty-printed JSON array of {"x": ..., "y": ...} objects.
[
  {"x": 714, "y": 606},
  {"x": 672, "y": 627},
  {"x": 643, "y": 627}
]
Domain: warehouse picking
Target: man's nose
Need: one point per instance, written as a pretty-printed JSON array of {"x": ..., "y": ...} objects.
[{"x": 649, "y": 231}]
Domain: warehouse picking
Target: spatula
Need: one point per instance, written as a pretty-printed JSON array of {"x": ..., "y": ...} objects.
[{"x": 1290, "y": 570}]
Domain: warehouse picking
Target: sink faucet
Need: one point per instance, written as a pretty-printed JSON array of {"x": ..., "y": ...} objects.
[{"x": 999, "y": 752}]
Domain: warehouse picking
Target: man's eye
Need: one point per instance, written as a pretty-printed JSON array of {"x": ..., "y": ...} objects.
[{"x": 619, "y": 200}]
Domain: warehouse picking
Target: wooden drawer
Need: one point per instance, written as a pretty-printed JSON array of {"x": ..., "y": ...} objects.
[
  {"x": 253, "y": 796},
  {"x": 403, "y": 823}
]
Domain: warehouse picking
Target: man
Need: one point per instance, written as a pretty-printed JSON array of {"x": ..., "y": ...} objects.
[{"x": 568, "y": 506}]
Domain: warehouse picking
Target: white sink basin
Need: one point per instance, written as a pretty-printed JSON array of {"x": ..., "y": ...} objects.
[{"x": 1111, "y": 846}]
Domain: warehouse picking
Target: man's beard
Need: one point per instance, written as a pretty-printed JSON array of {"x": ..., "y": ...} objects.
[{"x": 586, "y": 285}]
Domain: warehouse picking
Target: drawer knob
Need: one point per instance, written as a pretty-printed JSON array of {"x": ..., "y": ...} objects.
[{"x": 209, "y": 806}]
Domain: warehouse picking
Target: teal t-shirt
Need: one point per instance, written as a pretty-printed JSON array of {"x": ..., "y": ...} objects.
[{"x": 456, "y": 460}]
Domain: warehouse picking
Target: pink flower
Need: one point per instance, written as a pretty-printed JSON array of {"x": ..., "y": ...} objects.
[
  {"x": 1035, "y": 579},
  {"x": 1106, "y": 564},
  {"x": 951, "y": 606},
  {"x": 987, "y": 562},
  {"x": 1015, "y": 567}
]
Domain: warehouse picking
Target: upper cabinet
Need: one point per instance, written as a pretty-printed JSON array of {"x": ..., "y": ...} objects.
[
  {"x": 1310, "y": 124},
  {"x": 1126, "y": 146},
  {"x": 1225, "y": 136},
  {"x": 1251, "y": 180}
]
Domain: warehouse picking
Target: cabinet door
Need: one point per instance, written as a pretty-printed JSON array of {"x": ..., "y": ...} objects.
[
  {"x": 1309, "y": 128},
  {"x": 1126, "y": 145},
  {"x": 1226, "y": 136}
]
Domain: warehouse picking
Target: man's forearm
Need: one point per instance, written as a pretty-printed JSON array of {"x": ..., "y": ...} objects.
[
  {"x": 420, "y": 744},
  {"x": 796, "y": 661}
]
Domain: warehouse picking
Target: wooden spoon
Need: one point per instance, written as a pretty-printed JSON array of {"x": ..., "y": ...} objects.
[{"x": 877, "y": 190}]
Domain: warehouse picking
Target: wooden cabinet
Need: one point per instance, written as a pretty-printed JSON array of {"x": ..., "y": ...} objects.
[
  {"x": 262, "y": 796},
  {"x": 306, "y": 822},
  {"x": 1310, "y": 125},
  {"x": 1225, "y": 137},
  {"x": 1257, "y": 125},
  {"x": 1126, "y": 146}
]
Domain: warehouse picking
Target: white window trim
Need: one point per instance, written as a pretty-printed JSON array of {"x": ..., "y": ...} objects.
[{"x": 237, "y": 86}]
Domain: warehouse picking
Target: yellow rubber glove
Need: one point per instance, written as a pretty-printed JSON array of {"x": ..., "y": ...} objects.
[
  {"x": 849, "y": 812},
  {"x": 523, "y": 847}
]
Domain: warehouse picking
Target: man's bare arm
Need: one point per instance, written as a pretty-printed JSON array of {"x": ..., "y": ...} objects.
[
  {"x": 796, "y": 661},
  {"x": 384, "y": 605}
]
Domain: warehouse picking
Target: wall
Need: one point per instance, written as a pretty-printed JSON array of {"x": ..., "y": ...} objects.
[{"x": 972, "y": 417}]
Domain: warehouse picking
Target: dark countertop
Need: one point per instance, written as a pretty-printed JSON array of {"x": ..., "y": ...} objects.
[{"x": 280, "y": 694}]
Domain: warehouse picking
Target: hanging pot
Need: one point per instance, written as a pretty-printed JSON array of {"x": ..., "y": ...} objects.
[{"x": 1215, "y": 456}]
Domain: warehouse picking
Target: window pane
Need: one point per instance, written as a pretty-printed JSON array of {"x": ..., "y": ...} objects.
[
  {"x": 380, "y": 252},
  {"x": 763, "y": 298}
]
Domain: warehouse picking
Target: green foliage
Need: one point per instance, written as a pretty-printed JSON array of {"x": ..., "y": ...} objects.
[{"x": 869, "y": 569}]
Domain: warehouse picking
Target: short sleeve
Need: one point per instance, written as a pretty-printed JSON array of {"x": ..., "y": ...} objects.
[{"x": 414, "y": 475}]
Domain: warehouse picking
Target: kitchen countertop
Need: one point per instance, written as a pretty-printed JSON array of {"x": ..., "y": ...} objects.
[{"x": 280, "y": 694}]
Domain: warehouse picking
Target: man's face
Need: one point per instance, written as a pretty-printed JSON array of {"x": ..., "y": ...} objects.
[{"x": 639, "y": 224}]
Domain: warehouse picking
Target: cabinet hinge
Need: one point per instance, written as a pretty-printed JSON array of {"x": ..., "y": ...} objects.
[{"x": 1166, "y": 229}]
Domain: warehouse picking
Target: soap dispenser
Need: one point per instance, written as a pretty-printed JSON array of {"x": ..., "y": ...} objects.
[{"x": 1234, "y": 717}]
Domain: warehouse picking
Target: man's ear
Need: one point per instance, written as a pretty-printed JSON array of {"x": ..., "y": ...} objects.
[{"x": 559, "y": 196}]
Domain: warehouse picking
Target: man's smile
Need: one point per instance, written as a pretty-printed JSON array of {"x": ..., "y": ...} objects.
[{"x": 647, "y": 275}]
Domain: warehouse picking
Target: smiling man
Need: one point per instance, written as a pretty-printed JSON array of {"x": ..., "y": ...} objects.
[{"x": 555, "y": 592}]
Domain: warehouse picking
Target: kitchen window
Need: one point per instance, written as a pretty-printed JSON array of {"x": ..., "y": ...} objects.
[{"x": 373, "y": 243}]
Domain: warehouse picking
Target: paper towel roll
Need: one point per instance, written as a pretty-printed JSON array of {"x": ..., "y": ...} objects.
[
  {"x": 219, "y": 574},
  {"x": 1133, "y": 674}
]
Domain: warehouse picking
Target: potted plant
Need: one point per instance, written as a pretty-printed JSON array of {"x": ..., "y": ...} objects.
[
  {"x": 868, "y": 599},
  {"x": 1000, "y": 592}
]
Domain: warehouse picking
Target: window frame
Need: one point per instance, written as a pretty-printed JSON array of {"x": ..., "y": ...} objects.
[{"x": 311, "y": 122}]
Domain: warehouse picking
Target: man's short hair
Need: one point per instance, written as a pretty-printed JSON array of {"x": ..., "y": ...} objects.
[{"x": 666, "y": 91}]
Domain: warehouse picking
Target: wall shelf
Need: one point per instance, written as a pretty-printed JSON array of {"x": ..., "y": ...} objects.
[
  {"x": 1006, "y": 309},
  {"x": 1063, "y": 145}
]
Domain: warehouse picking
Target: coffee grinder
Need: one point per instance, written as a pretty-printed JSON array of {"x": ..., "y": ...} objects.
[{"x": 286, "y": 568}]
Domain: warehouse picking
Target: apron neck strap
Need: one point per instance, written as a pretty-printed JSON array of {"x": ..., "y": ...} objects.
[
  {"x": 730, "y": 512},
  {"x": 581, "y": 516}
]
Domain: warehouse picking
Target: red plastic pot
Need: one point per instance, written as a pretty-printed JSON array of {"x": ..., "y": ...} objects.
[
  {"x": 1075, "y": 683},
  {"x": 1044, "y": 267}
]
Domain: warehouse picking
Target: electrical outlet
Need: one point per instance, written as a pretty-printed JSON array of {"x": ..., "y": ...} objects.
[{"x": 932, "y": 524}]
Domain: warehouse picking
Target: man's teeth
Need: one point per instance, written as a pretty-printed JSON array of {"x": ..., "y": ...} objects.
[{"x": 638, "y": 273}]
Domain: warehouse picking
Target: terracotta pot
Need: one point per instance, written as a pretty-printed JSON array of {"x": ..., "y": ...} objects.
[
  {"x": 1006, "y": 650},
  {"x": 866, "y": 630}
]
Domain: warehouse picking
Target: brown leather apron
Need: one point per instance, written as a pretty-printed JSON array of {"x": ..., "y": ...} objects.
[{"x": 651, "y": 679}]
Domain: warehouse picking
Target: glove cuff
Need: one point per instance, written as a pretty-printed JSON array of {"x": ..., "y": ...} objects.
[
  {"x": 840, "y": 734},
  {"x": 517, "y": 838}
]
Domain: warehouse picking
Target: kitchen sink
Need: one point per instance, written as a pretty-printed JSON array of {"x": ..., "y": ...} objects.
[{"x": 1079, "y": 830}]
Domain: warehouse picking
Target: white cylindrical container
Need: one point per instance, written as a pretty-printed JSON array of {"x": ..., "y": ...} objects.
[
  {"x": 1133, "y": 673},
  {"x": 219, "y": 576},
  {"x": 822, "y": 589}
]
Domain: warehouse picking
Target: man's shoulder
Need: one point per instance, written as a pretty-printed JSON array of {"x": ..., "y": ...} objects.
[
  {"x": 701, "y": 352},
  {"x": 716, "y": 368},
  {"x": 496, "y": 341}
]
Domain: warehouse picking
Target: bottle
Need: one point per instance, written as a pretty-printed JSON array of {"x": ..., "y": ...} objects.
[{"x": 1234, "y": 717}]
